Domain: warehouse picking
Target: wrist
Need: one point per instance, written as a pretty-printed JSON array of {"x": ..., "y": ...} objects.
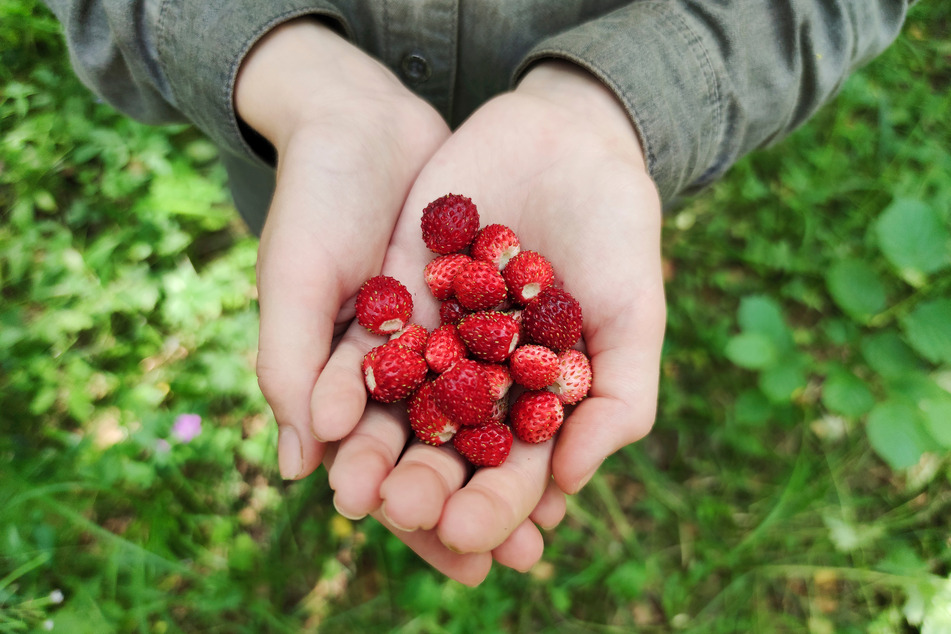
[
  {"x": 303, "y": 70},
  {"x": 584, "y": 97}
]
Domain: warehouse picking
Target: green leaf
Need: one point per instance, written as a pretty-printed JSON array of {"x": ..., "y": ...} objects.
[
  {"x": 761, "y": 314},
  {"x": 913, "y": 239},
  {"x": 894, "y": 431},
  {"x": 782, "y": 381},
  {"x": 937, "y": 417},
  {"x": 752, "y": 408},
  {"x": 928, "y": 329},
  {"x": 856, "y": 288},
  {"x": 846, "y": 394},
  {"x": 751, "y": 350},
  {"x": 888, "y": 355}
]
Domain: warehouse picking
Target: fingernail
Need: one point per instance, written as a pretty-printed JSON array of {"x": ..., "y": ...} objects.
[
  {"x": 392, "y": 523},
  {"x": 349, "y": 516},
  {"x": 290, "y": 457}
]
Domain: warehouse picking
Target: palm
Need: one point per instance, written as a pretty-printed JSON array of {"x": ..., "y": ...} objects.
[{"x": 586, "y": 210}]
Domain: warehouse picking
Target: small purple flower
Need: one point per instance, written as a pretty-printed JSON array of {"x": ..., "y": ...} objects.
[
  {"x": 186, "y": 427},
  {"x": 162, "y": 446}
]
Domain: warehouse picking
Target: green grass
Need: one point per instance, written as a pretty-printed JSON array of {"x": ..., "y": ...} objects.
[{"x": 798, "y": 478}]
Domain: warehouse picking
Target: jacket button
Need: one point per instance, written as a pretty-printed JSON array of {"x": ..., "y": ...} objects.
[{"x": 415, "y": 68}]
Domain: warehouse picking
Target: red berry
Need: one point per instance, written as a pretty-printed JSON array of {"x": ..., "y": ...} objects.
[
  {"x": 440, "y": 272},
  {"x": 526, "y": 275},
  {"x": 500, "y": 379},
  {"x": 496, "y": 244},
  {"x": 536, "y": 416},
  {"x": 451, "y": 311},
  {"x": 412, "y": 336},
  {"x": 428, "y": 422},
  {"x": 444, "y": 348},
  {"x": 479, "y": 286},
  {"x": 486, "y": 445},
  {"x": 574, "y": 377},
  {"x": 449, "y": 223},
  {"x": 383, "y": 305},
  {"x": 462, "y": 392},
  {"x": 534, "y": 367},
  {"x": 489, "y": 335},
  {"x": 553, "y": 319},
  {"x": 391, "y": 372}
]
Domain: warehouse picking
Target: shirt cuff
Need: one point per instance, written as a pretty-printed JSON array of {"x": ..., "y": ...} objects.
[
  {"x": 659, "y": 69},
  {"x": 201, "y": 46}
]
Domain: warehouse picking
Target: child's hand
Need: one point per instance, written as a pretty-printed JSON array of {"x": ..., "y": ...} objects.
[
  {"x": 350, "y": 141},
  {"x": 558, "y": 161}
]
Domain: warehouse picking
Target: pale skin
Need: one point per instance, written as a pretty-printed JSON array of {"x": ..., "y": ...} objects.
[{"x": 558, "y": 161}]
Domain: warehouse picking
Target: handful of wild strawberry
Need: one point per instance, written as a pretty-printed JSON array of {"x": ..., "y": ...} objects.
[{"x": 503, "y": 322}]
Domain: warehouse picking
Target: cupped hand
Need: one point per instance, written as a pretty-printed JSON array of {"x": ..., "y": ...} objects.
[
  {"x": 558, "y": 161},
  {"x": 350, "y": 140}
]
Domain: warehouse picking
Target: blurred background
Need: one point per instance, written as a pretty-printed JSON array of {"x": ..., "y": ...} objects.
[{"x": 797, "y": 480}]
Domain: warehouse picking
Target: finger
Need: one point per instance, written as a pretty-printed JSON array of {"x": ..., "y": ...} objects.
[
  {"x": 470, "y": 569},
  {"x": 551, "y": 508},
  {"x": 297, "y": 319},
  {"x": 522, "y": 549},
  {"x": 416, "y": 491},
  {"x": 339, "y": 395},
  {"x": 481, "y": 515},
  {"x": 364, "y": 459},
  {"x": 622, "y": 404}
]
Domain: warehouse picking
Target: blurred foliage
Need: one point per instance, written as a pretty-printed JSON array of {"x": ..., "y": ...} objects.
[{"x": 797, "y": 478}]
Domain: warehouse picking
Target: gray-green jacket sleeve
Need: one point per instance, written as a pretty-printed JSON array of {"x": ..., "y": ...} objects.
[
  {"x": 705, "y": 82},
  {"x": 162, "y": 61}
]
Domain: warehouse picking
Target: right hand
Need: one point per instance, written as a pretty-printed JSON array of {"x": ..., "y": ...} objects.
[{"x": 350, "y": 140}]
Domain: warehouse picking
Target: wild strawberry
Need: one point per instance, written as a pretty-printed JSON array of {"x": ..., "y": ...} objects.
[
  {"x": 462, "y": 392},
  {"x": 391, "y": 372},
  {"x": 526, "y": 275},
  {"x": 428, "y": 422},
  {"x": 500, "y": 379},
  {"x": 449, "y": 223},
  {"x": 479, "y": 286},
  {"x": 412, "y": 336},
  {"x": 444, "y": 348},
  {"x": 536, "y": 416},
  {"x": 440, "y": 272},
  {"x": 451, "y": 311},
  {"x": 383, "y": 305},
  {"x": 574, "y": 377},
  {"x": 486, "y": 445},
  {"x": 496, "y": 244},
  {"x": 489, "y": 335},
  {"x": 553, "y": 319},
  {"x": 534, "y": 367}
]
